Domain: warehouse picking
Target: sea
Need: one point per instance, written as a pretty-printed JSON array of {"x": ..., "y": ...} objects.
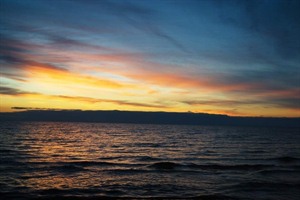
[{"x": 50, "y": 160}]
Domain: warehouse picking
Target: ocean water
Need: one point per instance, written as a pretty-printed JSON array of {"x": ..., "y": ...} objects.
[{"x": 74, "y": 160}]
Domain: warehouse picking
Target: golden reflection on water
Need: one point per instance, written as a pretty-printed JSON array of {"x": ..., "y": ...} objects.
[
  {"x": 60, "y": 153},
  {"x": 53, "y": 150}
]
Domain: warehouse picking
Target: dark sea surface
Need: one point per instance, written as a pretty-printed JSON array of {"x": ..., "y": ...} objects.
[{"x": 51, "y": 159}]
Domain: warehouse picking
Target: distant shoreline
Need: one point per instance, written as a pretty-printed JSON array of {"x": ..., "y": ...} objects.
[{"x": 140, "y": 117}]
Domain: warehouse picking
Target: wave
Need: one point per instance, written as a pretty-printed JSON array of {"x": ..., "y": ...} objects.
[
  {"x": 94, "y": 194},
  {"x": 279, "y": 171},
  {"x": 165, "y": 165},
  {"x": 7, "y": 151},
  {"x": 67, "y": 168},
  {"x": 114, "y": 157},
  {"x": 73, "y": 167},
  {"x": 232, "y": 167},
  {"x": 147, "y": 158},
  {"x": 286, "y": 159},
  {"x": 261, "y": 185},
  {"x": 11, "y": 162},
  {"x": 92, "y": 163},
  {"x": 211, "y": 197},
  {"x": 254, "y": 151},
  {"x": 172, "y": 165},
  {"x": 78, "y": 163}
]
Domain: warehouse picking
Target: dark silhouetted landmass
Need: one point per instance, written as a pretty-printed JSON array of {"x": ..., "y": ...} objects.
[{"x": 147, "y": 118}]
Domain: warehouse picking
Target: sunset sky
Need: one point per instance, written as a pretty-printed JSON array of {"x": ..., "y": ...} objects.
[{"x": 230, "y": 57}]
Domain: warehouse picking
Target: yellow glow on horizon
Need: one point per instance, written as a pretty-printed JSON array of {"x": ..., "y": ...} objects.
[{"x": 82, "y": 103}]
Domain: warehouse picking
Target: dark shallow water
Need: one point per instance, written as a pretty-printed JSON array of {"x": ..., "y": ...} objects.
[{"x": 47, "y": 160}]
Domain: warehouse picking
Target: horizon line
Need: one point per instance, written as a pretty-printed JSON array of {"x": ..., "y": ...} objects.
[{"x": 27, "y": 109}]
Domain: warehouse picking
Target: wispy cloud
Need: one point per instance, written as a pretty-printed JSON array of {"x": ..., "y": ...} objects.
[
  {"x": 279, "y": 101},
  {"x": 12, "y": 91},
  {"x": 208, "y": 50},
  {"x": 17, "y": 92},
  {"x": 119, "y": 102}
]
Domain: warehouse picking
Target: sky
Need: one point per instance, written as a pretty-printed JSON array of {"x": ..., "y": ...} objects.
[{"x": 234, "y": 57}]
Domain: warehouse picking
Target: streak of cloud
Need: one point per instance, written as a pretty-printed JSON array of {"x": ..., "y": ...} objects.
[
  {"x": 11, "y": 91},
  {"x": 17, "y": 92}
]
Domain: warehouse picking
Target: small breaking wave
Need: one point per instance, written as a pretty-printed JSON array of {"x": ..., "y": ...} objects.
[
  {"x": 74, "y": 167},
  {"x": 172, "y": 165}
]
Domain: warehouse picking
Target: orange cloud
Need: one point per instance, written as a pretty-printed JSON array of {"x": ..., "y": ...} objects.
[
  {"x": 59, "y": 75},
  {"x": 280, "y": 93},
  {"x": 119, "y": 102}
]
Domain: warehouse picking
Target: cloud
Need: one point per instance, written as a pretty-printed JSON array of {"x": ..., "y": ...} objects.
[
  {"x": 18, "y": 55},
  {"x": 137, "y": 68},
  {"x": 277, "y": 22},
  {"x": 274, "y": 101},
  {"x": 11, "y": 91},
  {"x": 269, "y": 82},
  {"x": 17, "y": 92},
  {"x": 140, "y": 17},
  {"x": 35, "y": 108},
  {"x": 12, "y": 50},
  {"x": 100, "y": 17},
  {"x": 293, "y": 103},
  {"x": 219, "y": 102},
  {"x": 12, "y": 76},
  {"x": 246, "y": 48},
  {"x": 119, "y": 102},
  {"x": 262, "y": 46},
  {"x": 55, "y": 76}
]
